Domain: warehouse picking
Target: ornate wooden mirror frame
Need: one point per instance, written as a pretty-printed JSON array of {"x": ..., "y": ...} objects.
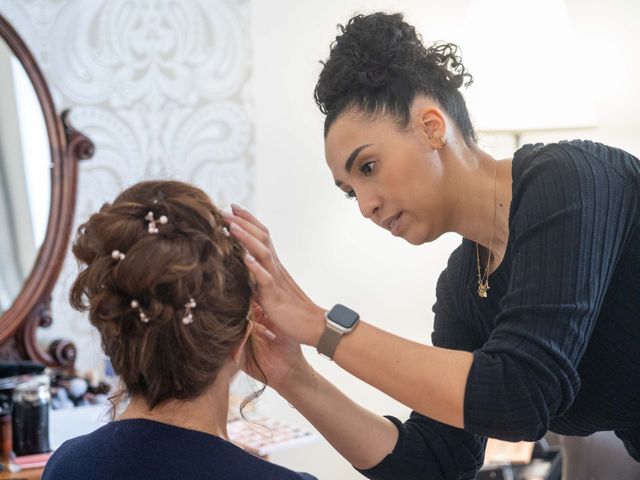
[{"x": 31, "y": 308}]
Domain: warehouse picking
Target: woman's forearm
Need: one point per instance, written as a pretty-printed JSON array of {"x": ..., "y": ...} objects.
[
  {"x": 362, "y": 437},
  {"x": 427, "y": 379}
]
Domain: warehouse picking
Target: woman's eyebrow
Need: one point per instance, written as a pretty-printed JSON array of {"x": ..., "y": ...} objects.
[{"x": 352, "y": 158}]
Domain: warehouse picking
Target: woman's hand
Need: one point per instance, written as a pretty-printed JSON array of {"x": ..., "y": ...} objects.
[
  {"x": 290, "y": 310},
  {"x": 277, "y": 356},
  {"x": 364, "y": 438}
]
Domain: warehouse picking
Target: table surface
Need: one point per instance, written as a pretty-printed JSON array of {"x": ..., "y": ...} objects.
[{"x": 27, "y": 474}]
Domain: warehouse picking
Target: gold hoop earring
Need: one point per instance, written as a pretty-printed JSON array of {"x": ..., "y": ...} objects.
[{"x": 443, "y": 140}]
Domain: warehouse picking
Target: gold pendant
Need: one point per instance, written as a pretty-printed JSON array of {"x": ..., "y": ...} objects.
[{"x": 483, "y": 287}]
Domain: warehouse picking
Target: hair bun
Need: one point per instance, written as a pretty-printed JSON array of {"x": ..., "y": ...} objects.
[
  {"x": 380, "y": 46},
  {"x": 457, "y": 81},
  {"x": 445, "y": 63},
  {"x": 378, "y": 63},
  {"x": 373, "y": 79}
]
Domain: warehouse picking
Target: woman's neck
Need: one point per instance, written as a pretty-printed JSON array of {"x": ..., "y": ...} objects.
[
  {"x": 207, "y": 413},
  {"x": 482, "y": 201}
]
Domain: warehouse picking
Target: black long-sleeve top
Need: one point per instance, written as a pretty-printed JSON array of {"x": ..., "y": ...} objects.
[{"x": 556, "y": 344}]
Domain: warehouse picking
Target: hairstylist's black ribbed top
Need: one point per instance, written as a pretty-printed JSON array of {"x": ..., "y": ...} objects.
[{"x": 557, "y": 344}]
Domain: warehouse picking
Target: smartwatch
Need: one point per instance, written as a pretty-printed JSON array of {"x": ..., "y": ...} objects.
[{"x": 340, "y": 320}]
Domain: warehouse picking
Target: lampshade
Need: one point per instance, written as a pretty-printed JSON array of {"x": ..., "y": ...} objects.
[{"x": 529, "y": 73}]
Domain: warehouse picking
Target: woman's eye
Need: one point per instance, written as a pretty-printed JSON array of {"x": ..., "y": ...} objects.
[
  {"x": 350, "y": 194},
  {"x": 368, "y": 168}
]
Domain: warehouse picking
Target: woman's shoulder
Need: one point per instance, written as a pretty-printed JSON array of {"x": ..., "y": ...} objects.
[
  {"x": 114, "y": 449},
  {"x": 454, "y": 278},
  {"x": 75, "y": 457},
  {"x": 456, "y": 266},
  {"x": 573, "y": 156},
  {"x": 577, "y": 167}
]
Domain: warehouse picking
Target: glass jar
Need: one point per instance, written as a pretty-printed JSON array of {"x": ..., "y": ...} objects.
[{"x": 31, "y": 403}]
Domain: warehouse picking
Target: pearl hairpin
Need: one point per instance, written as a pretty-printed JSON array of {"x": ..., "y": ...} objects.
[
  {"x": 188, "y": 318},
  {"x": 136, "y": 305},
  {"x": 117, "y": 255},
  {"x": 152, "y": 222}
]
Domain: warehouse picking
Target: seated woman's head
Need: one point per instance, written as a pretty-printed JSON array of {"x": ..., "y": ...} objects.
[{"x": 167, "y": 289}]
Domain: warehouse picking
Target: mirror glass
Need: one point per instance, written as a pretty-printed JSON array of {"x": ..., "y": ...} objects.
[{"x": 25, "y": 176}]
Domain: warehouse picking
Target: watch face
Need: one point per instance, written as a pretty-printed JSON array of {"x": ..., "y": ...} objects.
[{"x": 343, "y": 316}]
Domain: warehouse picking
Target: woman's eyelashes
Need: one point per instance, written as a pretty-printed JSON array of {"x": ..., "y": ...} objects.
[{"x": 367, "y": 169}]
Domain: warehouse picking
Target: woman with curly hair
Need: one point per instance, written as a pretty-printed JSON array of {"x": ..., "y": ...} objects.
[
  {"x": 537, "y": 316},
  {"x": 166, "y": 288}
]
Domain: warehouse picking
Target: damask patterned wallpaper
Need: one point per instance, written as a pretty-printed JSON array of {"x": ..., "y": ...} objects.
[{"x": 161, "y": 87}]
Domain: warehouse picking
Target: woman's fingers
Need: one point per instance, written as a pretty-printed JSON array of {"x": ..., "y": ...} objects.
[
  {"x": 248, "y": 227},
  {"x": 262, "y": 277},
  {"x": 263, "y": 236},
  {"x": 276, "y": 288},
  {"x": 242, "y": 213},
  {"x": 257, "y": 312},
  {"x": 261, "y": 317},
  {"x": 265, "y": 332},
  {"x": 254, "y": 247}
]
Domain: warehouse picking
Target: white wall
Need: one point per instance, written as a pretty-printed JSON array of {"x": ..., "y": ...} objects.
[
  {"x": 328, "y": 247},
  {"x": 608, "y": 33}
]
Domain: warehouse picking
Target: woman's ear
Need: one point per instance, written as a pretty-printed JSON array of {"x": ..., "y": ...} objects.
[
  {"x": 237, "y": 354},
  {"x": 431, "y": 122}
]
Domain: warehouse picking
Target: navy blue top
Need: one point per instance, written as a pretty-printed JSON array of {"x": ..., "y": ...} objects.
[
  {"x": 137, "y": 449},
  {"x": 556, "y": 344}
]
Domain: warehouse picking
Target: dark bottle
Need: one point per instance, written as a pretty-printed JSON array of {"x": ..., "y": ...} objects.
[{"x": 31, "y": 402}]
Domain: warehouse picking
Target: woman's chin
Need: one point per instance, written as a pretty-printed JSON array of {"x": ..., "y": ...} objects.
[
  {"x": 415, "y": 236},
  {"x": 411, "y": 238},
  {"x": 420, "y": 238}
]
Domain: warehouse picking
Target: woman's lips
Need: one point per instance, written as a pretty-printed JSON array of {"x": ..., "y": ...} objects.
[{"x": 395, "y": 224}]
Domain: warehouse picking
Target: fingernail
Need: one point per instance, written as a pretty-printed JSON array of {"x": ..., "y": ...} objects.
[
  {"x": 235, "y": 206},
  {"x": 269, "y": 334},
  {"x": 235, "y": 227},
  {"x": 250, "y": 258}
]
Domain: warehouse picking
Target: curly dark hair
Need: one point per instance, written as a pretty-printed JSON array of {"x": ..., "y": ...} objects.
[
  {"x": 378, "y": 65},
  {"x": 191, "y": 256}
]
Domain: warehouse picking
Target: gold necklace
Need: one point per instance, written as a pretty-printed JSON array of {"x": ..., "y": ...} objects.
[{"x": 483, "y": 279}]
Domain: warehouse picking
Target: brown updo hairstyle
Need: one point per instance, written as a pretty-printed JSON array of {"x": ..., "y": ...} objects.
[{"x": 190, "y": 257}]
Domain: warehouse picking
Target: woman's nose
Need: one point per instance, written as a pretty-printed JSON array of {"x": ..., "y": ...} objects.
[{"x": 369, "y": 207}]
